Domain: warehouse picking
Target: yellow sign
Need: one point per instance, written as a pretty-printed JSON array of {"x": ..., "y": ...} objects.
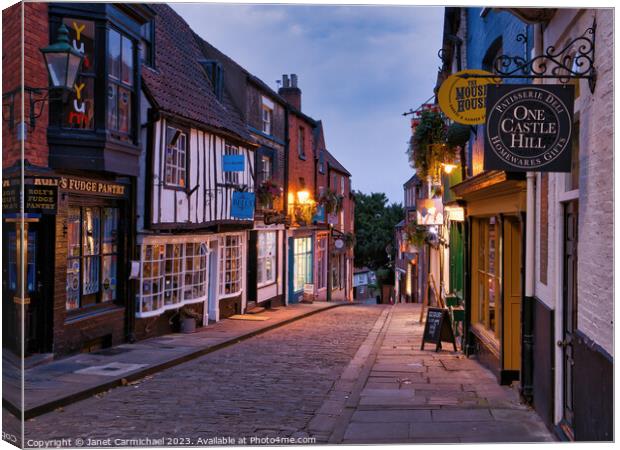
[{"x": 463, "y": 99}]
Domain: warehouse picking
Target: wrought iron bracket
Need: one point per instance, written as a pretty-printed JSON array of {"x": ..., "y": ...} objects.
[
  {"x": 37, "y": 97},
  {"x": 573, "y": 61}
]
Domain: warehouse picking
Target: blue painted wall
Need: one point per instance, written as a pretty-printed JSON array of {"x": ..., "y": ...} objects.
[{"x": 482, "y": 35}]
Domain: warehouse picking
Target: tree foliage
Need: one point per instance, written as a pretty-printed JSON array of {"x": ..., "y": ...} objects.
[{"x": 375, "y": 220}]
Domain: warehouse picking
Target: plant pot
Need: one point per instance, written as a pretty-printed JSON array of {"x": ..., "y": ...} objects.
[{"x": 188, "y": 325}]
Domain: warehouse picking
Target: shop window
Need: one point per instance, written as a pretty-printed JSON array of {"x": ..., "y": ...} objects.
[
  {"x": 266, "y": 260},
  {"x": 120, "y": 59},
  {"x": 230, "y": 265},
  {"x": 79, "y": 110},
  {"x": 321, "y": 271},
  {"x": 487, "y": 272},
  {"x": 176, "y": 158},
  {"x": 231, "y": 177},
  {"x": 172, "y": 274},
  {"x": 92, "y": 240},
  {"x": 302, "y": 255}
]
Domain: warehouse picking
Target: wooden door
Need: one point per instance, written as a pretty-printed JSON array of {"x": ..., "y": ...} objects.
[{"x": 511, "y": 308}]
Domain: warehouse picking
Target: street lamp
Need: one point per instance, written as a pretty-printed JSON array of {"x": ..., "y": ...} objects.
[{"x": 63, "y": 63}]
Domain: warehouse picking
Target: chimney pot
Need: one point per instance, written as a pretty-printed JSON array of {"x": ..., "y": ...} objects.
[
  {"x": 285, "y": 81},
  {"x": 294, "y": 80}
]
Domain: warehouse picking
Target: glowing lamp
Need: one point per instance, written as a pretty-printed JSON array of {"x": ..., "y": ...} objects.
[{"x": 303, "y": 196}]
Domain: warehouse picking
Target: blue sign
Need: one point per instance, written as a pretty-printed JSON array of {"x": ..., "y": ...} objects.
[
  {"x": 319, "y": 216},
  {"x": 242, "y": 206},
  {"x": 233, "y": 163}
]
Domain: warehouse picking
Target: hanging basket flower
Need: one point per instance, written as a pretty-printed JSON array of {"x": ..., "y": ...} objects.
[
  {"x": 428, "y": 144},
  {"x": 267, "y": 192},
  {"x": 457, "y": 135},
  {"x": 416, "y": 235},
  {"x": 331, "y": 201}
]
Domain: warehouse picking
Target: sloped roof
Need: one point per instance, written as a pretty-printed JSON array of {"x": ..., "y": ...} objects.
[
  {"x": 334, "y": 164},
  {"x": 179, "y": 84},
  {"x": 413, "y": 180}
]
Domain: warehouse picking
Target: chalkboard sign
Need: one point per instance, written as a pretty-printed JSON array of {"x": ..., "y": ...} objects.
[{"x": 438, "y": 328}]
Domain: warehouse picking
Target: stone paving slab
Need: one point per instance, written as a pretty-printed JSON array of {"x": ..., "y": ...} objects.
[
  {"x": 414, "y": 396},
  {"x": 49, "y": 386}
]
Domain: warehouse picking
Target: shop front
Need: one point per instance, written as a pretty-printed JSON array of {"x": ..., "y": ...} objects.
[
  {"x": 301, "y": 256},
  {"x": 77, "y": 236},
  {"x": 495, "y": 204}
]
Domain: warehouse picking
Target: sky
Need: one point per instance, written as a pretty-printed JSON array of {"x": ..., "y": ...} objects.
[{"x": 359, "y": 69}]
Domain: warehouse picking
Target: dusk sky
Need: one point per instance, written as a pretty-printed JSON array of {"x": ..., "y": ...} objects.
[{"x": 359, "y": 69}]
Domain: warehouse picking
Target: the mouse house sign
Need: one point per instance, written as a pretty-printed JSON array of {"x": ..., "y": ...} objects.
[{"x": 529, "y": 128}]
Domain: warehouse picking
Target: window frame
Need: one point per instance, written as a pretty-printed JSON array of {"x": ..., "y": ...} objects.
[
  {"x": 267, "y": 107},
  {"x": 183, "y": 132},
  {"x": 301, "y": 142},
  {"x": 302, "y": 252},
  {"x": 100, "y": 255},
  {"x": 223, "y": 245},
  {"x": 116, "y": 133},
  {"x": 158, "y": 274},
  {"x": 272, "y": 256},
  {"x": 231, "y": 178},
  {"x": 321, "y": 262}
]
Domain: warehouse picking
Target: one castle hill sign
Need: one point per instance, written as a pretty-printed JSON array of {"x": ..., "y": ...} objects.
[{"x": 529, "y": 128}]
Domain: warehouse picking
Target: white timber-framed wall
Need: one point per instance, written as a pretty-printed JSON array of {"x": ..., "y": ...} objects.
[{"x": 190, "y": 213}]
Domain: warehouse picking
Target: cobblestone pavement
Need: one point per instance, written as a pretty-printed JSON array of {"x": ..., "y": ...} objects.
[
  {"x": 268, "y": 386},
  {"x": 417, "y": 396}
]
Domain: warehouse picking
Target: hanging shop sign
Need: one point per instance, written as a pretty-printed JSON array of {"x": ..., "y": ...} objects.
[
  {"x": 529, "y": 128},
  {"x": 233, "y": 163},
  {"x": 463, "y": 99},
  {"x": 429, "y": 211},
  {"x": 454, "y": 213},
  {"x": 242, "y": 205}
]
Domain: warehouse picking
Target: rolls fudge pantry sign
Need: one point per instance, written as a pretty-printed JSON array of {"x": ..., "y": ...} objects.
[{"x": 529, "y": 128}]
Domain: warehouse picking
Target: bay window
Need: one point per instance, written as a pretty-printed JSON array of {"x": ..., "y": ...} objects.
[
  {"x": 92, "y": 241},
  {"x": 120, "y": 59},
  {"x": 230, "y": 267},
  {"x": 302, "y": 254},
  {"x": 173, "y": 273},
  {"x": 266, "y": 260}
]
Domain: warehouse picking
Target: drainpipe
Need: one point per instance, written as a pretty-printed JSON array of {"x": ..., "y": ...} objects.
[
  {"x": 527, "y": 313},
  {"x": 285, "y": 281}
]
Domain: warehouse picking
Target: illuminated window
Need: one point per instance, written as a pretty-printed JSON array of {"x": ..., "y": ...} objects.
[
  {"x": 302, "y": 254},
  {"x": 230, "y": 265},
  {"x": 266, "y": 260},
  {"x": 321, "y": 271}
]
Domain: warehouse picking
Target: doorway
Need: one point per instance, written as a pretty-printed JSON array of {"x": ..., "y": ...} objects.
[
  {"x": 571, "y": 219},
  {"x": 39, "y": 280}
]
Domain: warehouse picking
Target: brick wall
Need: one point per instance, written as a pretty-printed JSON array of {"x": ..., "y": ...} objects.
[
  {"x": 596, "y": 218},
  {"x": 35, "y": 36},
  {"x": 300, "y": 168}
]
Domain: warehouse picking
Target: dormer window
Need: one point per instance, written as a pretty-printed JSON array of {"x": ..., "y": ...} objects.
[{"x": 215, "y": 73}]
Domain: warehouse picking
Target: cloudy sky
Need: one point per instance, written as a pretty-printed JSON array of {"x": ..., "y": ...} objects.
[{"x": 359, "y": 69}]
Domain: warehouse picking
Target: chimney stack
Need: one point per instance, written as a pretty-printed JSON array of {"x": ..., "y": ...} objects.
[{"x": 289, "y": 90}]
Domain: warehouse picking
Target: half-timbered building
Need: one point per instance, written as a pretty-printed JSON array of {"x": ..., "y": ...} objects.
[
  {"x": 263, "y": 112},
  {"x": 197, "y": 165}
]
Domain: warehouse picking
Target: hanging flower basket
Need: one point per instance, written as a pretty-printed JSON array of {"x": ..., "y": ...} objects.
[
  {"x": 304, "y": 213},
  {"x": 457, "y": 135},
  {"x": 266, "y": 193},
  {"x": 428, "y": 148},
  {"x": 349, "y": 240},
  {"x": 417, "y": 235},
  {"x": 331, "y": 201}
]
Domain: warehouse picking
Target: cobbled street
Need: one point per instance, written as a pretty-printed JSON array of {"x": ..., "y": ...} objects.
[{"x": 270, "y": 385}]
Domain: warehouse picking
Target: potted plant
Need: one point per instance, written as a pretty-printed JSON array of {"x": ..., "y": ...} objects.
[
  {"x": 267, "y": 192},
  {"x": 304, "y": 213},
  {"x": 188, "y": 319}
]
